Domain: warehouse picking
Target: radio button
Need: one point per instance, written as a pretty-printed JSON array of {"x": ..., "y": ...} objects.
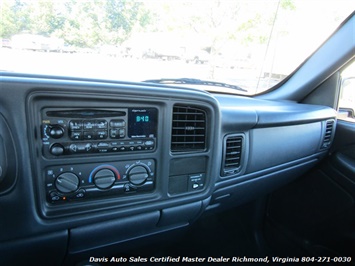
[
  {"x": 82, "y": 147},
  {"x": 75, "y": 125},
  {"x": 149, "y": 143},
  {"x": 89, "y": 125},
  {"x": 114, "y": 133},
  {"x": 122, "y": 133},
  {"x": 103, "y": 147},
  {"x": 102, "y": 144},
  {"x": 101, "y": 124},
  {"x": 88, "y": 135},
  {"x": 114, "y": 149},
  {"x": 101, "y": 134},
  {"x": 73, "y": 148},
  {"x": 76, "y": 135},
  {"x": 117, "y": 123}
]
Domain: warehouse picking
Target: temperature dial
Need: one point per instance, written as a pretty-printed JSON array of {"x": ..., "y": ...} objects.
[
  {"x": 67, "y": 182},
  {"x": 137, "y": 175},
  {"x": 104, "y": 178}
]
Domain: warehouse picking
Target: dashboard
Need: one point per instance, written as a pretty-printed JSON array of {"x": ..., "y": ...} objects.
[{"x": 87, "y": 164}]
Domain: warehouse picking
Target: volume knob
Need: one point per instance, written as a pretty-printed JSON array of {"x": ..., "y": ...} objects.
[
  {"x": 55, "y": 131},
  {"x": 67, "y": 182}
]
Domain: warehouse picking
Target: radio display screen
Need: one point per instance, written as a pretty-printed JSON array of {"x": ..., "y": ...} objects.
[{"x": 142, "y": 122}]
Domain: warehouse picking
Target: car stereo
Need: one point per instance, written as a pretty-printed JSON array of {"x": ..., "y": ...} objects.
[{"x": 79, "y": 132}]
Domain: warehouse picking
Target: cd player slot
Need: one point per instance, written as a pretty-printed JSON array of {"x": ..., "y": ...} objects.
[{"x": 84, "y": 113}]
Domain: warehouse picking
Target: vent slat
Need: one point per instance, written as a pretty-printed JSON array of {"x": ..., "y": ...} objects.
[
  {"x": 184, "y": 128},
  {"x": 188, "y": 121},
  {"x": 188, "y": 129},
  {"x": 201, "y": 135},
  {"x": 232, "y": 156},
  {"x": 187, "y": 142}
]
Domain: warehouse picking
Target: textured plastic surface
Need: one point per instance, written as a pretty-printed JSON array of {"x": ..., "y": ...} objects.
[{"x": 277, "y": 145}]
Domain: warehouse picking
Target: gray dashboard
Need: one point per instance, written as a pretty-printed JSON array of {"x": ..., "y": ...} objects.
[{"x": 91, "y": 163}]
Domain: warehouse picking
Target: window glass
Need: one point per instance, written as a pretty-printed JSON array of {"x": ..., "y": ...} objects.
[
  {"x": 252, "y": 44},
  {"x": 347, "y": 94}
]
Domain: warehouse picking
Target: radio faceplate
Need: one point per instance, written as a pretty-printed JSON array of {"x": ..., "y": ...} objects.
[{"x": 78, "y": 131}]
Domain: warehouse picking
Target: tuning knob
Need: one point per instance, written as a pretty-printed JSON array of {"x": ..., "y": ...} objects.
[
  {"x": 57, "y": 149},
  {"x": 104, "y": 178},
  {"x": 67, "y": 182},
  {"x": 137, "y": 175}
]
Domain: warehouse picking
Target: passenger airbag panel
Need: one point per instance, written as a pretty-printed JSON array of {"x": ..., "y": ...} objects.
[{"x": 277, "y": 145}]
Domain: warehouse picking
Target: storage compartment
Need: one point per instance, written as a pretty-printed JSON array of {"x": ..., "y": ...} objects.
[{"x": 112, "y": 232}]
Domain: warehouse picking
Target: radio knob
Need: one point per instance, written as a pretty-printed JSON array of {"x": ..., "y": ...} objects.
[
  {"x": 67, "y": 182},
  {"x": 137, "y": 175},
  {"x": 104, "y": 178},
  {"x": 55, "y": 131},
  {"x": 56, "y": 149}
]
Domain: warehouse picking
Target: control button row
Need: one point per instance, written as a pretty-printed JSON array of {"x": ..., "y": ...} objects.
[
  {"x": 80, "y": 135},
  {"x": 58, "y": 149},
  {"x": 56, "y": 197},
  {"x": 77, "y": 125}
]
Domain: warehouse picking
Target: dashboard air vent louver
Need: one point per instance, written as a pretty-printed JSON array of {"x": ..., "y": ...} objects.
[
  {"x": 232, "y": 155},
  {"x": 328, "y": 134},
  {"x": 188, "y": 129}
]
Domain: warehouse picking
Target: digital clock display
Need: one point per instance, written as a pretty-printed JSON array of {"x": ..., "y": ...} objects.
[
  {"x": 142, "y": 122},
  {"x": 142, "y": 118}
]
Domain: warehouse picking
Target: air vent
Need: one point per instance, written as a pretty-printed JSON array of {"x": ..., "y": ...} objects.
[
  {"x": 232, "y": 155},
  {"x": 189, "y": 129},
  {"x": 328, "y": 134}
]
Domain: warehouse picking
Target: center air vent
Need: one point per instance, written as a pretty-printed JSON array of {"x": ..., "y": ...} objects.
[
  {"x": 232, "y": 155},
  {"x": 188, "y": 129}
]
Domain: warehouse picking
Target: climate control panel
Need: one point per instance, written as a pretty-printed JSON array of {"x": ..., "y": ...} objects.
[{"x": 82, "y": 182}]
